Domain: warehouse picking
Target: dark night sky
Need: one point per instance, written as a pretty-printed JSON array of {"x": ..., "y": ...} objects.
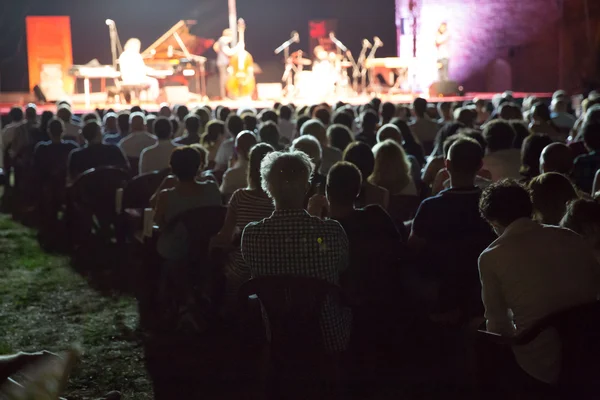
[{"x": 269, "y": 23}]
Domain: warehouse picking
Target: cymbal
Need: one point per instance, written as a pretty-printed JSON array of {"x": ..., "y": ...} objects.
[{"x": 300, "y": 61}]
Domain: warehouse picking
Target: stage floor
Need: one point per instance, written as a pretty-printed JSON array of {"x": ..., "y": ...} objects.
[{"x": 7, "y": 100}]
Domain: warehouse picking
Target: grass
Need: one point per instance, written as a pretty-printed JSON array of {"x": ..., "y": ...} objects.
[{"x": 45, "y": 305}]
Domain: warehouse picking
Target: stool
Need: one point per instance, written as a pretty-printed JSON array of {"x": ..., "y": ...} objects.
[{"x": 127, "y": 90}]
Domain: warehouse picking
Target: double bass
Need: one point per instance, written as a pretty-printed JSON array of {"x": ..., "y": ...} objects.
[{"x": 241, "y": 82}]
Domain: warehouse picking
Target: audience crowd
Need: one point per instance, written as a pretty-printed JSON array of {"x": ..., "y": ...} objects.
[{"x": 476, "y": 215}]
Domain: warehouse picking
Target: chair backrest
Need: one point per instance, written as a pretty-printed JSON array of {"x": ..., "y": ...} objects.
[
  {"x": 403, "y": 207},
  {"x": 95, "y": 190},
  {"x": 579, "y": 331},
  {"x": 138, "y": 191},
  {"x": 200, "y": 224},
  {"x": 134, "y": 165},
  {"x": 596, "y": 186},
  {"x": 293, "y": 307}
]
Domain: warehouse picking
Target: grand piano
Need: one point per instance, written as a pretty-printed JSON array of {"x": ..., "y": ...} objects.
[{"x": 174, "y": 59}]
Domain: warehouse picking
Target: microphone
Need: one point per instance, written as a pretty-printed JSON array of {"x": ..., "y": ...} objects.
[
  {"x": 377, "y": 41},
  {"x": 295, "y": 37},
  {"x": 367, "y": 44},
  {"x": 109, "y": 22},
  {"x": 337, "y": 42}
]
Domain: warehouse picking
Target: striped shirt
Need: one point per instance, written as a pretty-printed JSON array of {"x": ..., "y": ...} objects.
[{"x": 248, "y": 206}]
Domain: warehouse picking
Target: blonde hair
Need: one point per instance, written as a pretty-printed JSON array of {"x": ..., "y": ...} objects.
[{"x": 392, "y": 168}]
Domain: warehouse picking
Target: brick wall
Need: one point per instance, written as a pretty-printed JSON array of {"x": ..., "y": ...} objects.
[{"x": 524, "y": 33}]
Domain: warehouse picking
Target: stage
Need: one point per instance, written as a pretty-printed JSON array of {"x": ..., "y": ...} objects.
[{"x": 8, "y": 100}]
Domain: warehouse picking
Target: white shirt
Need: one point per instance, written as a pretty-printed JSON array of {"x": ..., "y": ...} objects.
[
  {"x": 287, "y": 129},
  {"x": 133, "y": 68},
  {"x": 134, "y": 143},
  {"x": 503, "y": 164},
  {"x": 530, "y": 272},
  {"x": 235, "y": 178},
  {"x": 224, "y": 154},
  {"x": 9, "y": 132},
  {"x": 425, "y": 129},
  {"x": 564, "y": 120},
  {"x": 156, "y": 157}
]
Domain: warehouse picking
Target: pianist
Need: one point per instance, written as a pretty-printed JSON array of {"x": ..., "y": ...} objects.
[{"x": 134, "y": 70}]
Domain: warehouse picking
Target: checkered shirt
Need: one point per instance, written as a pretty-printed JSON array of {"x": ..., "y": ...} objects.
[{"x": 291, "y": 242}]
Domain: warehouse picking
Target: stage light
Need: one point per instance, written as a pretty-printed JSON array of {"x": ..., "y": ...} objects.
[
  {"x": 110, "y": 22},
  {"x": 189, "y": 72}
]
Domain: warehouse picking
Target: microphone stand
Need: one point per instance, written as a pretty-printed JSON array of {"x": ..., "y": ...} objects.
[
  {"x": 289, "y": 65},
  {"x": 360, "y": 68},
  {"x": 376, "y": 45}
]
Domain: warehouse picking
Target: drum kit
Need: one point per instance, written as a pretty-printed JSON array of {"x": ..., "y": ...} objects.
[{"x": 330, "y": 74}]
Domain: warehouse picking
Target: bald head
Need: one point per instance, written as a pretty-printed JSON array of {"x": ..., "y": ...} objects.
[
  {"x": 556, "y": 157},
  {"x": 244, "y": 142}
]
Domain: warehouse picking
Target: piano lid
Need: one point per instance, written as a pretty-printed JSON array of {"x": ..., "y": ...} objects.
[{"x": 177, "y": 43}]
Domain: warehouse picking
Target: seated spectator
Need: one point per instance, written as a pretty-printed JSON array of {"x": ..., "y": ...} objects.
[
  {"x": 322, "y": 114},
  {"x": 442, "y": 179},
  {"x": 368, "y": 134},
  {"x": 409, "y": 142},
  {"x": 54, "y": 154},
  {"x": 212, "y": 138},
  {"x": 388, "y": 111},
  {"x": 72, "y": 130},
  {"x": 543, "y": 124},
  {"x": 234, "y": 125},
  {"x": 585, "y": 166},
  {"x": 191, "y": 134},
  {"x": 530, "y": 155},
  {"x": 550, "y": 194},
  {"x": 181, "y": 111},
  {"x": 360, "y": 154},
  {"x": 269, "y": 133},
  {"x": 446, "y": 131},
  {"x": 392, "y": 169},
  {"x": 340, "y": 136},
  {"x": 186, "y": 194},
  {"x": 123, "y": 129},
  {"x": 444, "y": 109},
  {"x": 530, "y": 272},
  {"x": 247, "y": 205},
  {"x": 557, "y": 157},
  {"x": 236, "y": 177},
  {"x": 341, "y": 117},
  {"x": 510, "y": 112},
  {"x": 95, "y": 154},
  {"x": 17, "y": 118},
  {"x": 313, "y": 247},
  {"x": 583, "y": 216},
  {"x": 165, "y": 111},
  {"x": 560, "y": 115},
  {"x": 502, "y": 160},
  {"x": 150, "y": 120},
  {"x": 268, "y": 114},
  {"x": 157, "y": 157},
  {"x": 310, "y": 146},
  {"x": 287, "y": 128},
  {"x": 330, "y": 155},
  {"x": 424, "y": 128},
  {"x": 392, "y": 132},
  {"x": 372, "y": 234},
  {"x": 522, "y": 132},
  {"x": 110, "y": 124},
  {"x": 134, "y": 143},
  {"x": 203, "y": 114},
  {"x": 482, "y": 113},
  {"x": 449, "y": 233}
]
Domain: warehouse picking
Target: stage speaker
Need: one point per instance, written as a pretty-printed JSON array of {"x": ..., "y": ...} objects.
[
  {"x": 177, "y": 94},
  {"x": 269, "y": 91},
  {"x": 444, "y": 89}
]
